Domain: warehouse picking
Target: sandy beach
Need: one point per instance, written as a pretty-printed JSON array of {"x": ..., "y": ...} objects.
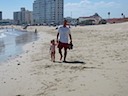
[{"x": 97, "y": 65}]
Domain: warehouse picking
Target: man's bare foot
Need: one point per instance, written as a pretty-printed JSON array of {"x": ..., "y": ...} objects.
[{"x": 65, "y": 61}]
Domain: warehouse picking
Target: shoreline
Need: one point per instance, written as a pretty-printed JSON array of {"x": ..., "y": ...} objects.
[
  {"x": 16, "y": 48},
  {"x": 13, "y": 66},
  {"x": 1, "y": 30},
  {"x": 97, "y": 65}
]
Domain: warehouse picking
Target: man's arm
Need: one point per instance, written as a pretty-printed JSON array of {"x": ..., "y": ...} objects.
[
  {"x": 57, "y": 37},
  {"x": 70, "y": 36}
]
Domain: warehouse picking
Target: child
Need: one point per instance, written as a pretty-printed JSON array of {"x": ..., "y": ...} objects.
[{"x": 52, "y": 50}]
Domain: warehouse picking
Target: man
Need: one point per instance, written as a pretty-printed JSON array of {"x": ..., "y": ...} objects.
[{"x": 63, "y": 35}]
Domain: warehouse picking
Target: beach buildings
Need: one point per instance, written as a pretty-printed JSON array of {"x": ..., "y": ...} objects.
[
  {"x": 6, "y": 22},
  {"x": 72, "y": 21},
  {"x": 48, "y": 11},
  {"x": 91, "y": 20},
  {"x": 22, "y": 17},
  {"x": 0, "y": 15},
  {"x": 117, "y": 20}
]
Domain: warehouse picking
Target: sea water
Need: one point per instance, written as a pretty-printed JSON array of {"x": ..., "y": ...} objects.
[{"x": 11, "y": 42}]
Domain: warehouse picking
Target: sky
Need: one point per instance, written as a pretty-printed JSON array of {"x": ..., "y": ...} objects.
[{"x": 72, "y": 8}]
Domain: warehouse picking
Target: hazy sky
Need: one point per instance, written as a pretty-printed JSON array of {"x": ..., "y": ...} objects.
[{"x": 74, "y": 8}]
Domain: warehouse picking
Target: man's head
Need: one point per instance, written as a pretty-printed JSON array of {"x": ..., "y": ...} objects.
[{"x": 65, "y": 23}]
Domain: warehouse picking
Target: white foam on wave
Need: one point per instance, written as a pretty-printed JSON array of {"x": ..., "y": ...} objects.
[
  {"x": 11, "y": 33},
  {"x": 1, "y": 31},
  {"x": 2, "y": 35}
]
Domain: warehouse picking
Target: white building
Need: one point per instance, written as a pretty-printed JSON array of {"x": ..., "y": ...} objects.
[
  {"x": 48, "y": 11},
  {"x": 95, "y": 19},
  {"x": 22, "y": 17}
]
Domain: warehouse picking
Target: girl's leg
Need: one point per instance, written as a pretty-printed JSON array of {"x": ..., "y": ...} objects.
[
  {"x": 51, "y": 56},
  {"x": 54, "y": 57}
]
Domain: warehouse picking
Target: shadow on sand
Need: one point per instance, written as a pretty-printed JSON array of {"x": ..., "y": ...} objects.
[{"x": 72, "y": 62}]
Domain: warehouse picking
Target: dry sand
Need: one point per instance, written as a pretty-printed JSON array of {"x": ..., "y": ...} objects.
[{"x": 98, "y": 65}]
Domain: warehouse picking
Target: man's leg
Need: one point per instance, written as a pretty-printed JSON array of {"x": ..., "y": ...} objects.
[
  {"x": 65, "y": 54},
  {"x": 60, "y": 51}
]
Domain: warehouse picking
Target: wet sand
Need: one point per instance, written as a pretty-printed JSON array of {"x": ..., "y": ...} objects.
[{"x": 97, "y": 66}]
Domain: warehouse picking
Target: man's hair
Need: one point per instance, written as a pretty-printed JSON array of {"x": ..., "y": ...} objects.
[{"x": 65, "y": 20}]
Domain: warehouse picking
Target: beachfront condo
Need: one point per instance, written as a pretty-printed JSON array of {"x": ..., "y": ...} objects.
[
  {"x": 48, "y": 11},
  {"x": 22, "y": 17}
]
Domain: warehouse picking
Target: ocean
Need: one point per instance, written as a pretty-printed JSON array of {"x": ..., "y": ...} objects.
[{"x": 12, "y": 41}]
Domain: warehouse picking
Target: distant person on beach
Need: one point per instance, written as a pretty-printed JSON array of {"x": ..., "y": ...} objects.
[
  {"x": 52, "y": 50},
  {"x": 12, "y": 28},
  {"x": 62, "y": 39},
  {"x": 35, "y": 30}
]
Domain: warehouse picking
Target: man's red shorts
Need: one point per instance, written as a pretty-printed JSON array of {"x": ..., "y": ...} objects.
[{"x": 63, "y": 45}]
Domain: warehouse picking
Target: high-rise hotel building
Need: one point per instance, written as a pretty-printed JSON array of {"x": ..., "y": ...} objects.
[
  {"x": 48, "y": 11},
  {"x": 22, "y": 17}
]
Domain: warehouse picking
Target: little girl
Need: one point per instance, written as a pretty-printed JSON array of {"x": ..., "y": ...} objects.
[{"x": 52, "y": 50}]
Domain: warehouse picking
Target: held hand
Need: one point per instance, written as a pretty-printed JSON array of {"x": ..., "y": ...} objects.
[{"x": 57, "y": 40}]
